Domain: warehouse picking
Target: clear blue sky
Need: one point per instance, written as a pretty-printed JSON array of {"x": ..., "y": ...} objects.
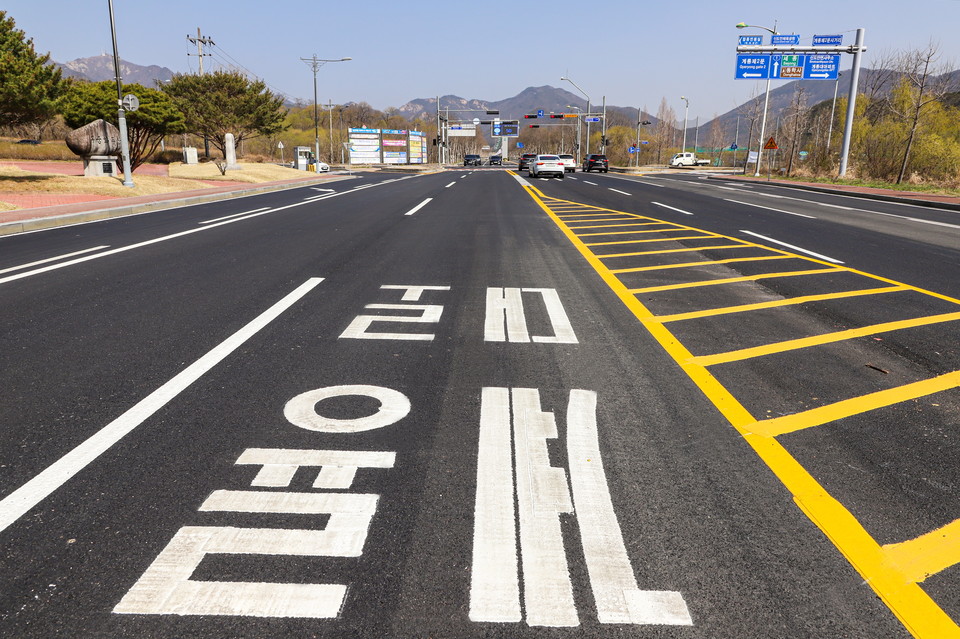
[{"x": 633, "y": 51}]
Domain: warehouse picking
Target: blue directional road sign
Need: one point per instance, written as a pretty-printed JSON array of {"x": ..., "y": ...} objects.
[
  {"x": 753, "y": 67},
  {"x": 496, "y": 130},
  {"x": 751, "y": 39},
  {"x": 785, "y": 39},
  {"x": 822, "y": 40},
  {"x": 632, "y": 149},
  {"x": 519, "y": 145},
  {"x": 539, "y": 113},
  {"x": 821, "y": 67},
  {"x": 734, "y": 147},
  {"x": 592, "y": 119}
]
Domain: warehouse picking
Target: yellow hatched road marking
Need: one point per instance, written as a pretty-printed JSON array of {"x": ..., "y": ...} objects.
[
  {"x": 928, "y": 554},
  {"x": 613, "y": 226},
  {"x": 705, "y": 236},
  {"x": 915, "y": 609},
  {"x": 680, "y": 250},
  {"x": 839, "y": 410},
  {"x": 734, "y": 280},
  {"x": 792, "y": 301},
  {"x": 819, "y": 340},
  {"x": 609, "y": 219},
  {"x": 629, "y": 232},
  {"x": 732, "y": 260}
]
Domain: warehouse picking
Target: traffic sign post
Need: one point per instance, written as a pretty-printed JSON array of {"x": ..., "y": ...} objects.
[{"x": 765, "y": 66}]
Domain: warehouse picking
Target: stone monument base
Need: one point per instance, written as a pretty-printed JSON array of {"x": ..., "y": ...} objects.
[{"x": 100, "y": 165}]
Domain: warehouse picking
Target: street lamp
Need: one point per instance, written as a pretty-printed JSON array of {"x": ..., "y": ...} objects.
[
  {"x": 686, "y": 110},
  {"x": 564, "y": 78},
  {"x": 579, "y": 123},
  {"x": 766, "y": 99},
  {"x": 315, "y": 63},
  {"x": 121, "y": 112}
]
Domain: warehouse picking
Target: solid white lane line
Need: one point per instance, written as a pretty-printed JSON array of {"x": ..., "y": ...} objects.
[
  {"x": 615, "y": 591},
  {"x": 20, "y": 501},
  {"x": 770, "y": 208},
  {"x": 618, "y": 191},
  {"x": 673, "y": 208},
  {"x": 791, "y": 246},
  {"x": 419, "y": 206},
  {"x": 227, "y": 217},
  {"x": 494, "y": 581},
  {"x": 53, "y": 259},
  {"x": 590, "y": 183},
  {"x": 449, "y": 185}
]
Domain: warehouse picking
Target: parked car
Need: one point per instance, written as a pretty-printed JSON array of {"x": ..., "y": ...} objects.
[
  {"x": 496, "y": 160},
  {"x": 596, "y": 161},
  {"x": 687, "y": 159},
  {"x": 323, "y": 167},
  {"x": 569, "y": 162},
  {"x": 525, "y": 160},
  {"x": 545, "y": 166},
  {"x": 28, "y": 142},
  {"x": 472, "y": 160}
]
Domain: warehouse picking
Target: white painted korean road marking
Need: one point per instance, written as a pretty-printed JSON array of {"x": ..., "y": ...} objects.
[
  {"x": 542, "y": 495},
  {"x": 618, "y": 191},
  {"x": 769, "y": 208},
  {"x": 412, "y": 292},
  {"x": 449, "y": 185},
  {"x": 791, "y": 246},
  {"x": 227, "y": 217},
  {"x": 53, "y": 259},
  {"x": 430, "y": 314},
  {"x": 338, "y": 468},
  {"x": 20, "y": 501},
  {"x": 672, "y": 208},
  {"x": 419, "y": 206},
  {"x": 505, "y": 319},
  {"x": 302, "y": 410}
]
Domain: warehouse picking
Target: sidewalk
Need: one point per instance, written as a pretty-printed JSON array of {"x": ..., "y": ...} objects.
[
  {"x": 48, "y": 210},
  {"x": 889, "y": 195}
]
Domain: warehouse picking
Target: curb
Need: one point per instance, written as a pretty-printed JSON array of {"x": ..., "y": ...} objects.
[
  {"x": 67, "y": 219},
  {"x": 867, "y": 196}
]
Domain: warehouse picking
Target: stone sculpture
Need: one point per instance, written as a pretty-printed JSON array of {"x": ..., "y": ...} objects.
[{"x": 98, "y": 143}]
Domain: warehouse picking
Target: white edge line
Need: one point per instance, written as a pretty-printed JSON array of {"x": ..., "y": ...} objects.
[
  {"x": 419, "y": 206},
  {"x": 770, "y": 208},
  {"x": 54, "y": 259},
  {"x": 618, "y": 191},
  {"x": 20, "y": 501},
  {"x": 791, "y": 246},
  {"x": 672, "y": 208},
  {"x": 227, "y": 217}
]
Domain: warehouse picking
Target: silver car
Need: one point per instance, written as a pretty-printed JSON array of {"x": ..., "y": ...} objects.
[
  {"x": 545, "y": 165},
  {"x": 569, "y": 162}
]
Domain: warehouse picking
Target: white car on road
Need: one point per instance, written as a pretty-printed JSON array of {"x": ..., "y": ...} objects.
[
  {"x": 545, "y": 165},
  {"x": 569, "y": 162}
]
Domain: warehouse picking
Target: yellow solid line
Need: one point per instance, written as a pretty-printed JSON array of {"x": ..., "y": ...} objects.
[
  {"x": 777, "y": 303},
  {"x": 854, "y": 406},
  {"x": 732, "y": 260},
  {"x": 819, "y": 340},
  {"x": 627, "y": 232},
  {"x": 658, "y": 239},
  {"x": 928, "y": 554},
  {"x": 681, "y": 250},
  {"x": 918, "y": 612},
  {"x": 733, "y": 280}
]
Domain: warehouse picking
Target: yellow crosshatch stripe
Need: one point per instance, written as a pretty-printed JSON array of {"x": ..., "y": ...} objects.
[
  {"x": 792, "y": 301},
  {"x": 928, "y": 554},
  {"x": 732, "y": 260},
  {"x": 832, "y": 412},
  {"x": 609, "y": 219},
  {"x": 628, "y": 232},
  {"x": 915, "y": 609},
  {"x": 680, "y": 250},
  {"x": 734, "y": 280},
  {"x": 819, "y": 340},
  {"x": 615, "y": 226},
  {"x": 658, "y": 239}
]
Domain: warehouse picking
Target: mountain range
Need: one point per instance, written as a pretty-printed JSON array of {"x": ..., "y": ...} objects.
[{"x": 99, "y": 68}]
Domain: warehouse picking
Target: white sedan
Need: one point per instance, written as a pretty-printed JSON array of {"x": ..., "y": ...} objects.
[{"x": 545, "y": 165}]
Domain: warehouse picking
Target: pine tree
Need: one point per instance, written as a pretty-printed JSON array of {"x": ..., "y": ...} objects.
[{"x": 29, "y": 85}]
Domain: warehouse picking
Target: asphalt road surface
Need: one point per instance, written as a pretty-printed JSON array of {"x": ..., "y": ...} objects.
[{"x": 468, "y": 404}]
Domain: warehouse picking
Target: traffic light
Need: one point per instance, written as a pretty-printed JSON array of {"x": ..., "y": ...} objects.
[
  {"x": 529, "y": 115},
  {"x": 556, "y": 115},
  {"x": 533, "y": 126}
]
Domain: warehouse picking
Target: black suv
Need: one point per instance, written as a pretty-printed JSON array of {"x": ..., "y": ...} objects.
[
  {"x": 473, "y": 160},
  {"x": 496, "y": 160},
  {"x": 525, "y": 160},
  {"x": 595, "y": 161}
]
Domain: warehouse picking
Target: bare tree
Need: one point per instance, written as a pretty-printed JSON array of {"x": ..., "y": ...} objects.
[
  {"x": 925, "y": 83},
  {"x": 664, "y": 130}
]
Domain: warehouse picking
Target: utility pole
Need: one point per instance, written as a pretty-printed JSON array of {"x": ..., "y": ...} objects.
[
  {"x": 200, "y": 41},
  {"x": 315, "y": 63},
  {"x": 121, "y": 112}
]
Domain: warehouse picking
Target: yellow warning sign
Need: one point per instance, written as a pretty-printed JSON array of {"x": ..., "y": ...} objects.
[{"x": 770, "y": 145}]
